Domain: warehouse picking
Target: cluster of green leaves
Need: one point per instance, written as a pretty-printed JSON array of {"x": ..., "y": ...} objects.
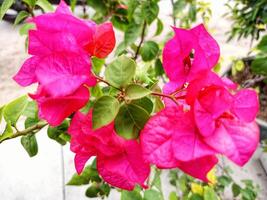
[
  {"x": 14, "y": 111},
  {"x": 90, "y": 177},
  {"x": 249, "y": 18},
  {"x": 124, "y": 101},
  {"x": 188, "y": 188}
]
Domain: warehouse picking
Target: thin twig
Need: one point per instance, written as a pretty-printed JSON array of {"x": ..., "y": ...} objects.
[
  {"x": 141, "y": 41},
  {"x": 165, "y": 95},
  {"x": 100, "y": 79},
  {"x": 27, "y": 131}
]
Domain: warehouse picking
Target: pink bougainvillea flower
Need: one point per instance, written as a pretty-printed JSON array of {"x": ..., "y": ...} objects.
[
  {"x": 221, "y": 120},
  {"x": 97, "y": 40},
  {"x": 170, "y": 139},
  {"x": 55, "y": 109},
  {"x": 119, "y": 161},
  {"x": 188, "y": 53}
]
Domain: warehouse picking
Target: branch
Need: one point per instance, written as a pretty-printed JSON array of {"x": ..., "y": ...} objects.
[
  {"x": 165, "y": 95},
  {"x": 100, "y": 79},
  {"x": 141, "y": 41},
  {"x": 29, "y": 130}
]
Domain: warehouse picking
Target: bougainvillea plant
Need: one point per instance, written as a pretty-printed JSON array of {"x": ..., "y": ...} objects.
[{"x": 130, "y": 124}]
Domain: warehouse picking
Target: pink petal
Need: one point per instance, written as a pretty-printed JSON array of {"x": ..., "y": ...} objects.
[
  {"x": 104, "y": 41},
  {"x": 124, "y": 170},
  {"x": 26, "y": 75},
  {"x": 235, "y": 139},
  {"x": 55, "y": 109},
  {"x": 62, "y": 74},
  {"x": 63, "y": 8},
  {"x": 246, "y": 105},
  {"x": 80, "y": 161},
  {"x": 156, "y": 139},
  {"x": 200, "y": 167},
  {"x": 44, "y": 43}
]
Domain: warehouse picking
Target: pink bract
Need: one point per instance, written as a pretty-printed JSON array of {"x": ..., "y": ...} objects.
[
  {"x": 178, "y": 63},
  {"x": 119, "y": 161}
]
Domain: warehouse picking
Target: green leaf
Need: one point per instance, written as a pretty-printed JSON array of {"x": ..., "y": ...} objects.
[
  {"x": 150, "y": 11},
  {"x": 4, "y": 7},
  {"x": 30, "y": 122},
  {"x": 14, "y": 109},
  {"x": 92, "y": 191},
  {"x": 121, "y": 71},
  {"x": 1, "y": 113},
  {"x": 209, "y": 194},
  {"x": 156, "y": 180},
  {"x": 224, "y": 180},
  {"x": 158, "y": 105},
  {"x": 30, "y": 144},
  {"x": 130, "y": 195},
  {"x": 7, "y": 132},
  {"x": 89, "y": 174},
  {"x": 45, "y": 5},
  {"x": 173, "y": 196},
  {"x": 236, "y": 189},
  {"x": 135, "y": 91},
  {"x": 105, "y": 110},
  {"x": 55, "y": 133},
  {"x": 97, "y": 64},
  {"x": 196, "y": 197},
  {"x": 73, "y": 5},
  {"x": 24, "y": 29},
  {"x": 31, "y": 3},
  {"x": 31, "y": 110},
  {"x": 21, "y": 16},
  {"x": 159, "y": 71},
  {"x": 259, "y": 66},
  {"x": 145, "y": 103},
  {"x": 149, "y": 50},
  {"x": 152, "y": 195},
  {"x": 262, "y": 46},
  {"x": 130, "y": 120},
  {"x": 159, "y": 27},
  {"x": 132, "y": 32},
  {"x": 96, "y": 91}
]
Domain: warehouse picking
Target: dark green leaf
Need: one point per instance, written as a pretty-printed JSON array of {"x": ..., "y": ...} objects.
[
  {"x": 14, "y": 109},
  {"x": 262, "y": 46},
  {"x": 150, "y": 10},
  {"x": 130, "y": 120},
  {"x": 135, "y": 91},
  {"x": 130, "y": 195},
  {"x": 5, "y": 6},
  {"x": 196, "y": 197},
  {"x": 224, "y": 180},
  {"x": 45, "y": 5},
  {"x": 236, "y": 189},
  {"x": 159, "y": 71},
  {"x": 159, "y": 27},
  {"x": 21, "y": 16},
  {"x": 121, "y": 71},
  {"x": 259, "y": 66},
  {"x": 132, "y": 32},
  {"x": 104, "y": 189},
  {"x": 149, "y": 50},
  {"x": 105, "y": 110},
  {"x": 145, "y": 103},
  {"x": 30, "y": 144},
  {"x": 54, "y": 133},
  {"x": 92, "y": 191},
  {"x": 30, "y": 122},
  {"x": 31, "y": 3}
]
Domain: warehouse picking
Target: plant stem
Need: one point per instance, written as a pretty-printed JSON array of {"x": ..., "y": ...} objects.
[
  {"x": 29, "y": 130},
  {"x": 173, "y": 15},
  {"x": 100, "y": 79},
  {"x": 165, "y": 95},
  {"x": 141, "y": 41}
]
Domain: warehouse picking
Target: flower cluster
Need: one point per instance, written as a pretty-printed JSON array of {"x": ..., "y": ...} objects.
[
  {"x": 212, "y": 117},
  {"x": 206, "y": 116},
  {"x": 61, "y": 47}
]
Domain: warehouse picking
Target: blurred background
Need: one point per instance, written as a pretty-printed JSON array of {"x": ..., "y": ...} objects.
[{"x": 238, "y": 26}]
